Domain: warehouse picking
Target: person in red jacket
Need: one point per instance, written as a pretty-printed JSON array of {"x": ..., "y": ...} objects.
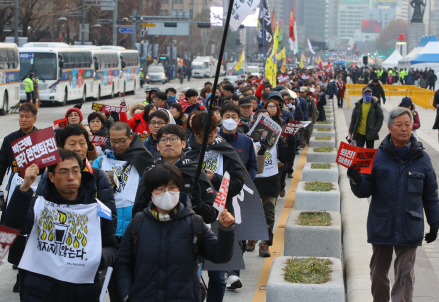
[
  {"x": 408, "y": 104},
  {"x": 341, "y": 88},
  {"x": 139, "y": 123}
]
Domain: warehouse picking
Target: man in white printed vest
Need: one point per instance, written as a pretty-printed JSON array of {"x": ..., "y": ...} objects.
[{"x": 70, "y": 235}]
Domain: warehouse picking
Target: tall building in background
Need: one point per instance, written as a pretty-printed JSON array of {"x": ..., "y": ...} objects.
[
  {"x": 403, "y": 10},
  {"x": 333, "y": 7},
  {"x": 350, "y": 15},
  {"x": 312, "y": 20}
]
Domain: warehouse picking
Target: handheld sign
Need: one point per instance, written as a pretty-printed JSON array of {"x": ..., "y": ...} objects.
[
  {"x": 221, "y": 197},
  {"x": 36, "y": 148},
  {"x": 291, "y": 128},
  {"x": 283, "y": 79},
  {"x": 7, "y": 238},
  {"x": 363, "y": 158},
  {"x": 98, "y": 140},
  {"x": 103, "y": 210},
  {"x": 305, "y": 123},
  {"x": 61, "y": 123},
  {"x": 108, "y": 109},
  {"x": 265, "y": 127}
]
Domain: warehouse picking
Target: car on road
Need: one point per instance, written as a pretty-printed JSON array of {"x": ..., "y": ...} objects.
[{"x": 156, "y": 74}]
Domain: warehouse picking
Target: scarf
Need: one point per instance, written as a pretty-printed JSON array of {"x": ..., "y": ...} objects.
[
  {"x": 163, "y": 217},
  {"x": 247, "y": 121}
]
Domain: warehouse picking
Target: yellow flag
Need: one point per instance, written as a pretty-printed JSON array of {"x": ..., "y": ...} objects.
[
  {"x": 271, "y": 69},
  {"x": 302, "y": 64},
  {"x": 241, "y": 60},
  {"x": 281, "y": 56}
]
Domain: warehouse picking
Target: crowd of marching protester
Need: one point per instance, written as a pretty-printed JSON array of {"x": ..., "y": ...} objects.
[{"x": 155, "y": 226}]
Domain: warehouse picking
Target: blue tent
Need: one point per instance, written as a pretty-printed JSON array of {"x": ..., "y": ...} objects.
[{"x": 429, "y": 54}]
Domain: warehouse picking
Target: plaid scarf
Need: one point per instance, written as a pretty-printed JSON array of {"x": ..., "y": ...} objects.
[{"x": 162, "y": 217}]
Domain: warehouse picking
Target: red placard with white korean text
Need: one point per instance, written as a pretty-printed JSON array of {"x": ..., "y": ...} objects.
[
  {"x": 221, "y": 197},
  {"x": 108, "y": 108},
  {"x": 291, "y": 128},
  {"x": 7, "y": 238},
  {"x": 38, "y": 148},
  {"x": 363, "y": 158},
  {"x": 98, "y": 140},
  {"x": 61, "y": 123}
]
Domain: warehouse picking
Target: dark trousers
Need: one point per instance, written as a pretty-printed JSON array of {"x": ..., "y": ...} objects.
[
  {"x": 22, "y": 276},
  {"x": 216, "y": 287},
  {"x": 28, "y": 96},
  {"x": 431, "y": 86},
  {"x": 404, "y": 265},
  {"x": 361, "y": 140},
  {"x": 340, "y": 102},
  {"x": 269, "y": 204}
]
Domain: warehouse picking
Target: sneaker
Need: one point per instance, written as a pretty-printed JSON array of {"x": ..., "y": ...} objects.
[
  {"x": 16, "y": 287},
  {"x": 264, "y": 250},
  {"x": 282, "y": 192},
  {"x": 233, "y": 282},
  {"x": 251, "y": 244},
  {"x": 290, "y": 175}
]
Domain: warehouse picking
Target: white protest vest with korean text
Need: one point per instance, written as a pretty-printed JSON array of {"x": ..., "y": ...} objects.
[
  {"x": 65, "y": 242},
  {"x": 271, "y": 162},
  {"x": 214, "y": 161}
]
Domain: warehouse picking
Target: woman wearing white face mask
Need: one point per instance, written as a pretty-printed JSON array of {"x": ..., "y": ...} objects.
[{"x": 157, "y": 256}]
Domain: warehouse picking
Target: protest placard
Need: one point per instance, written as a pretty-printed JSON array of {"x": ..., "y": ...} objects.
[
  {"x": 221, "y": 197},
  {"x": 38, "y": 148},
  {"x": 61, "y": 123},
  {"x": 265, "y": 127},
  {"x": 283, "y": 78},
  {"x": 305, "y": 123},
  {"x": 108, "y": 108},
  {"x": 144, "y": 136},
  {"x": 291, "y": 128},
  {"x": 7, "y": 238},
  {"x": 240, "y": 77},
  {"x": 363, "y": 158},
  {"x": 256, "y": 81},
  {"x": 98, "y": 140}
]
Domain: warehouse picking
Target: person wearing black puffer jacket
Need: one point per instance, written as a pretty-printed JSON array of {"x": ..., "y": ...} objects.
[{"x": 66, "y": 186}]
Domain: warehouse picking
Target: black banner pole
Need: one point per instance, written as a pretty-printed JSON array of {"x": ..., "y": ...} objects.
[{"x": 213, "y": 96}]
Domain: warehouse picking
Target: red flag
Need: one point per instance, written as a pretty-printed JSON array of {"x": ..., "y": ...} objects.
[
  {"x": 292, "y": 19},
  {"x": 273, "y": 21}
]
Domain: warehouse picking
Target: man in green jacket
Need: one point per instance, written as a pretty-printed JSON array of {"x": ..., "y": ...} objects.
[
  {"x": 401, "y": 76},
  {"x": 366, "y": 121},
  {"x": 29, "y": 86}
]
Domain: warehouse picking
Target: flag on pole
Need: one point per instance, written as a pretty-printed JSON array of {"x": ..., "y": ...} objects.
[
  {"x": 271, "y": 68},
  {"x": 273, "y": 21},
  {"x": 302, "y": 60},
  {"x": 281, "y": 56},
  {"x": 264, "y": 25},
  {"x": 291, "y": 33},
  {"x": 310, "y": 48},
  {"x": 276, "y": 40},
  {"x": 280, "y": 35},
  {"x": 319, "y": 62},
  {"x": 240, "y": 11},
  {"x": 241, "y": 60},
  {"x": 356, "y": 50},
  {"x": 296, "y": 43}
]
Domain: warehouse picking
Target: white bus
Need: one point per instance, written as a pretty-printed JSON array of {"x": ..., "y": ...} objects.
[
  {"x": 65, "y": 73},
  {"x": 9, "y": 76},
  {"x": 129, "y": 60}
]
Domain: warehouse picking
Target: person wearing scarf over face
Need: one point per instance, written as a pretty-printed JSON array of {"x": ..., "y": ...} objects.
[
  {"x": 219, "y": 158},
  {"x": 157, "y": 259},
  {"x": 367, "y": 119}
]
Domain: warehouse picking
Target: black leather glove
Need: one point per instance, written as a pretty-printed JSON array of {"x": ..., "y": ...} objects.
[
  {"x": 430, "y": 237},
  {"x": 264, "y": 146},
  {"x": 195, "y": 196},
  {"x": 354, "y": 175}
]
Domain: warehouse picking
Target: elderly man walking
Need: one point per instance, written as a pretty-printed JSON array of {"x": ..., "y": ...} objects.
[{"x": 403, "y": 185}]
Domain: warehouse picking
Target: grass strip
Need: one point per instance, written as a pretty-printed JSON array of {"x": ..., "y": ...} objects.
[
  {"x": 321, "y": 166},
  {"x": 323, "y": 149},
  {"x": 308, "y": 270},
  {"x": 314, "y": 219},
  {"x": 318, "y": 186}
]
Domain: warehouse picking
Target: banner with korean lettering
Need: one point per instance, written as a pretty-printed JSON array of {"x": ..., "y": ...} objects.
[
  {"x": 363, "y": 158},
  {"x": 265, "y": 127},
  {"x": 98, "y": 140},
  {"x": 291, "y": 128},
  {"x": 221, "y": 197},
  {"x": 65, "y": 242},
  {"x": 37, "y": 148},
  {"x": 7, "y": 238},
  {"x": 61, "y": 123},
  {"x": 108, "y": 108},
  {"x": 241, "y": 9}
]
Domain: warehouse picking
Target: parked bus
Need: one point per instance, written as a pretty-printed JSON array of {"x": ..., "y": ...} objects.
[
  {"x": 9, "y": 76},
  {"x": 65, "y": 73},
  {"x": 129, "y": 60}
]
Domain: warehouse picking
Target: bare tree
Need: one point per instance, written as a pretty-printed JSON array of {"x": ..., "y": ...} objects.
[{"x": 389, "y": 35}]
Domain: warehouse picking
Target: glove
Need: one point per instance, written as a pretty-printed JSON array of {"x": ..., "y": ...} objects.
[
  {"x": 195, "y": 196},
  {"x": 122, "y": 101},
  {"x": 354, "y": 175},
  {"x": 430, "y": 237},
  {"x": 264, "y": 146}
]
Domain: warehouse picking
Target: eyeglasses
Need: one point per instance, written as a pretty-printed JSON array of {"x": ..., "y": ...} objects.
[
  {"x": 271, "y": 106},
  {"x": 120, "y": 142},
  {"x": 172, "y": 140},
  {"x": 66, "y": 173},
  {"x": 157, "y": 123}
]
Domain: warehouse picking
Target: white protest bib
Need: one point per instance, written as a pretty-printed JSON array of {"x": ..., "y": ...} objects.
[
  {"x": 271, "y": 162},
  {"x": 214, "y": 161},
  {"x": 125, "y": 194},
  {"x": 65, "y": 242},
  {"x": 17, "y": 181}
]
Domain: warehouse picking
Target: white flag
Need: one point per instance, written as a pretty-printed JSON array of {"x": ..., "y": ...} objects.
[
  {"x": 240, "y": 11},
  {"x": 310, "y": 48}
]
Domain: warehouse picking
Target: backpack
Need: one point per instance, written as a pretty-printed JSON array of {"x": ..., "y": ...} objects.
[{"x": 196, "y": 227}]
